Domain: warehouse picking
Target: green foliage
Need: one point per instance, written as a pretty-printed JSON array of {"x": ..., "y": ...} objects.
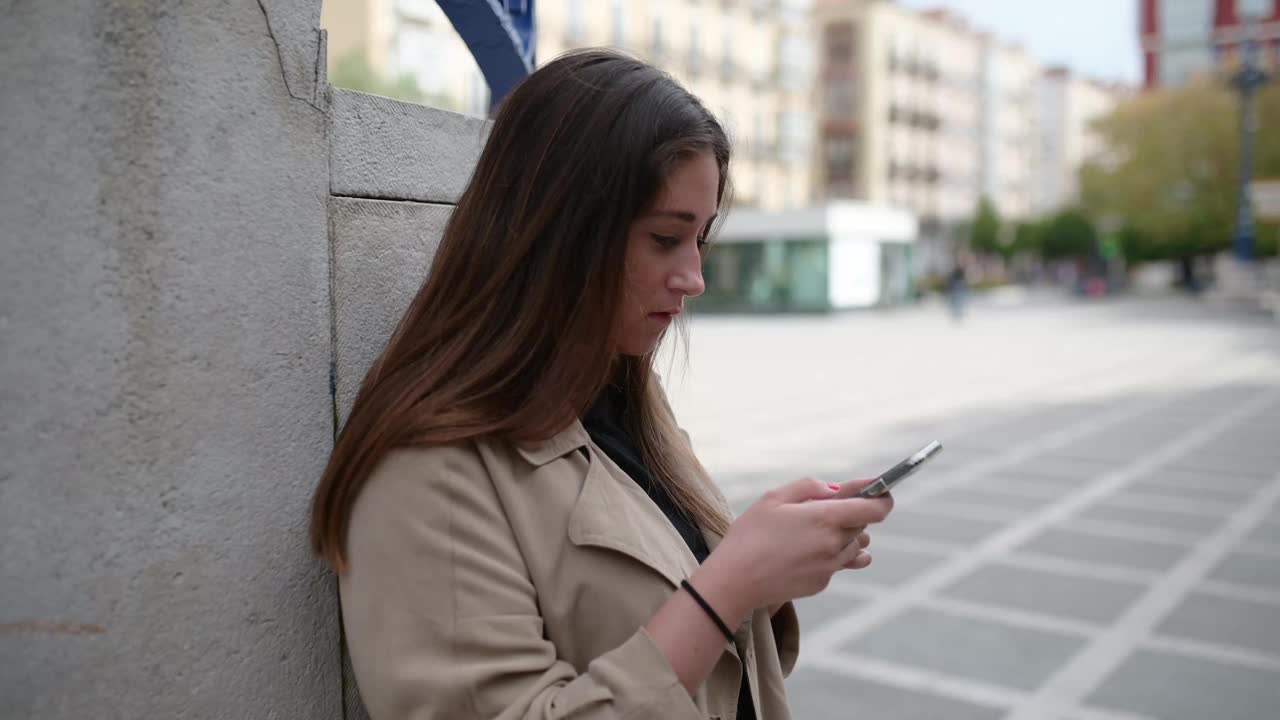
[
  {"x": 1267, "y": 239},
  {"x": 1172, "y": 169},
  {"x": 1134, "y": 245},
  {"x": 1026, "y": 237},
  {"x": 984, "y": 234},
  {"x": 353, "y": 71},
  {"x": 1068, "y": 234}
]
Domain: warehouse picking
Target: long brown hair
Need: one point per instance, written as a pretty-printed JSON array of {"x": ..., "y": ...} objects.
[{"x": 509, "y": 336}]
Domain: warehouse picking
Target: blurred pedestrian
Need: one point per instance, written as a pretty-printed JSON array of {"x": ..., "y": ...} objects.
[
  {"x": 958, "y": 290},
  {"x": 519, "y": 525}
]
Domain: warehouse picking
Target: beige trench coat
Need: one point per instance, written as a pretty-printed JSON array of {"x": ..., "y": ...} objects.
[{"x": 492, "y": 581}]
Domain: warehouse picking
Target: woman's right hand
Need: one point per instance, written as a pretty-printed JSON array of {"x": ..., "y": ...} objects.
[
  {"x": 783, "y": 547},
  {"x": 786, "y": 546}
]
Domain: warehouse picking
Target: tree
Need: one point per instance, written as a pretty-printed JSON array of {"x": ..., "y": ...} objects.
[
  {"x": 984, "y": 234},
  {"x": 1170, "y": 173},
  {"x": 1068, "y": 235},
  {"x": 1134, "y": 244},
  {"x": 1026, "y": 237}
]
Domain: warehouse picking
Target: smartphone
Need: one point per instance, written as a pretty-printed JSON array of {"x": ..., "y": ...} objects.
[{"x": 896, "y": 474}]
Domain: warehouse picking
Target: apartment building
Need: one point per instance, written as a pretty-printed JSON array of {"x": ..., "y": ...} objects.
[
  {"x": 749, "y": 61},
  {"x": 901, "y": 117},
  {"x": 1069, "y": 105},
  {"x": 1185, "y": 39},
  {"x": 1009, "y": 141}
]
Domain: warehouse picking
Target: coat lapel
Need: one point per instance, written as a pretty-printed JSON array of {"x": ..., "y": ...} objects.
[{"x": 613, "y": 512}]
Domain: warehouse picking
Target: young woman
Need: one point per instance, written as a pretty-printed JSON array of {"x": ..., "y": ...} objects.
[{"x": 520, "y": 527}]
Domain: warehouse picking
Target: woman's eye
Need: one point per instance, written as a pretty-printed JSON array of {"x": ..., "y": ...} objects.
[{"x": 667, "y": 241}]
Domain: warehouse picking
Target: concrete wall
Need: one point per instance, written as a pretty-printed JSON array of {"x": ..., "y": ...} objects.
[
  {"x": 397, "y": 169},
  {"x": 179, "y": 280}
]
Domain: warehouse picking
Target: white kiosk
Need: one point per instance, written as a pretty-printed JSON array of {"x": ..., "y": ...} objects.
[{"x": 846, "y": 254}]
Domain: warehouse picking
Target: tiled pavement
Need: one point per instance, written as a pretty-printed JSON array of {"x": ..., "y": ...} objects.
[{"x": 1105, "y": 544}]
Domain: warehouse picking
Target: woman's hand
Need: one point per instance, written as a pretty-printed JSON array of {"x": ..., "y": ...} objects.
[
  {"x": 787, "y": 545},
  {"x": 848, "y": 490}
]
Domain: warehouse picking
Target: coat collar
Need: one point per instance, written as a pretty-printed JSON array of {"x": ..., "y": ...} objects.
[
  {"x": 613, "y": 512},
  {"x": 541, "y": 452},
  {"x": 604, "y": 478}
]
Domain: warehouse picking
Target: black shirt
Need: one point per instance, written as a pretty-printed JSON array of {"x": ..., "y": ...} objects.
[{"x": 603, "y": 422}]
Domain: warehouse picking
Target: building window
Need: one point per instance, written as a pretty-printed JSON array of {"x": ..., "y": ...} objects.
[
  {"x": 730, "y": 125},
  {"x": 1187, "y": 21},
  {"x": 758, "y": 67},
  {"x": 575, "y": 23},
  {"x": 930, "y": 72},
  {"x": 839, "y": 159},
  {"x": 837, "y": 43},
  {"x": 618, "y": 23},
  {"x": 726, "y": 55},
  {"x": 695, "y": 51},
  {"x": 758, "y": 143},
  {"x": 839, "y": 99},
  {"x": 795, "y": 63},
  {"x": 794, "y": 135}
]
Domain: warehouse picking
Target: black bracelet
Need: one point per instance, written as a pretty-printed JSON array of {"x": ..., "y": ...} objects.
[{"x": 728, "y": 634}]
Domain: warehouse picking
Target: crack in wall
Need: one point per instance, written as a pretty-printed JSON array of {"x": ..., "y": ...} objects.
[{"x": 309, "y": 98}]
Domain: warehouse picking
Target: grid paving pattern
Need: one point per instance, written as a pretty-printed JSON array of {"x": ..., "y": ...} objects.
[{"x": 1099, "y": 540}]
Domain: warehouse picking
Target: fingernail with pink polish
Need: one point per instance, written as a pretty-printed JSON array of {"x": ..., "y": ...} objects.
[{"x": 833, "y": 486}]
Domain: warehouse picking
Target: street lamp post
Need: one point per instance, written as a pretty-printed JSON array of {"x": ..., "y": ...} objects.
[{"x": 1247, "y": 81}]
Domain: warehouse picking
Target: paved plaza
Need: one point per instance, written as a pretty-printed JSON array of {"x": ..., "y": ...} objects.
[{"x": 1099, "y": 540}]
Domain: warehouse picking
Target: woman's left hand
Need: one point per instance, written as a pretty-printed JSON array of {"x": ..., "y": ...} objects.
[
  {"x": 863, "y": 558},
  {"x": 847, "y": 490},
  {"x": 860, "y": 561}
]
